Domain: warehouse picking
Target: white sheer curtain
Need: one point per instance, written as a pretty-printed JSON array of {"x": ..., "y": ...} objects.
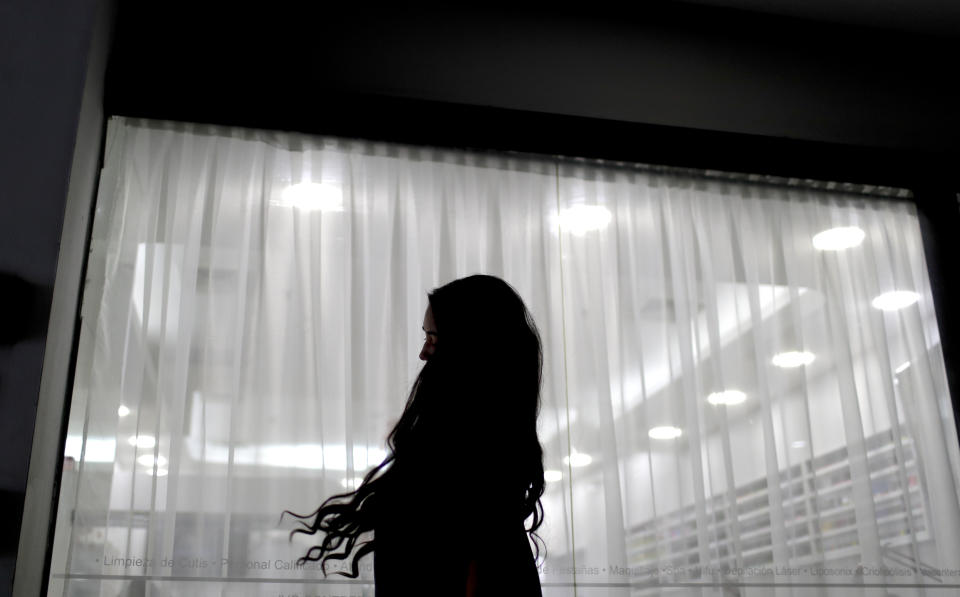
[{"x": 251, "y": 325}]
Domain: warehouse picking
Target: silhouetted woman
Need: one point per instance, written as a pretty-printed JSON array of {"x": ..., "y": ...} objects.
[{"x": 464, "y": 471}]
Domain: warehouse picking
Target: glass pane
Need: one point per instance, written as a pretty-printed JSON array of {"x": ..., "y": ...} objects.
[
  {"x": 728, "y": 398},
  {"x": 758, "y": 389}
]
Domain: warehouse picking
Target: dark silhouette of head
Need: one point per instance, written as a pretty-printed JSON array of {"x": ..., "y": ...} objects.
[{"x": 473, "y": 405}]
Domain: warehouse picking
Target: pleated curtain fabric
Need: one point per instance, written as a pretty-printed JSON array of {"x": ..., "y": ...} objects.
[{"x": 725, "y": 401}]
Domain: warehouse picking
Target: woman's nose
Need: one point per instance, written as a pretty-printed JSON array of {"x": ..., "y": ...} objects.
[{"x": 426, "y": 351}]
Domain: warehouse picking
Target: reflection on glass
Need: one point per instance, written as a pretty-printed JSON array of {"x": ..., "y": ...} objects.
[{"x": 236, "y": 360}]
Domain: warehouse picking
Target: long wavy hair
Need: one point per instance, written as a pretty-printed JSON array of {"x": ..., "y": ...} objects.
[{"x": 485, "y": 375}]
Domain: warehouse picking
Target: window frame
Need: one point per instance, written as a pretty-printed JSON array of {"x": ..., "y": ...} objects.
[{"x": 485, "y": 129}]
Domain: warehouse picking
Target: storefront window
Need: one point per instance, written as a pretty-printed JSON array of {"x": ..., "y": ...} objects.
[{"x": 743, "y": 382}]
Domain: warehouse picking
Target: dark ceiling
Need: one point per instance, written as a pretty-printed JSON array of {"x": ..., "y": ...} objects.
[{"x": 926, "y": 17}]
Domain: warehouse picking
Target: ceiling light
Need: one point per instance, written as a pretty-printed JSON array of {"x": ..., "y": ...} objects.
[
  {"x": 726, "y": 397},
  {"x": 903, "y": 367},
  {"x": 161, "y": 472},
  {"x": 665, "y": 432},
  {"x": 142, "y": 441},
  {"x": 309, "y": 196},
  {"x": 792, "y": 359},
  {"x": 895, "y": 299},
  {"x": 552, "y": 476},
  {"x": 580, "y": 219},
  {"x": 123, "y": 411},
  {"x": 577, "y": 459},
  {"x": 837, "y": 239},
  {"x": 798, "y": 444},
  {"x": 147, "y": 460}
]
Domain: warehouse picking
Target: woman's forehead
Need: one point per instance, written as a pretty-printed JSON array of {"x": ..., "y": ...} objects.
[{"x": 428, "y": 317}]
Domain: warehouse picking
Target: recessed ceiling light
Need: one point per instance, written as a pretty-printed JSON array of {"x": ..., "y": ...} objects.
[
  {"x": 727, "y": 397},
  {"x": 142, "y": 441},
  {"x": 552, "y": 476},
  {"x": 147, "y": 460},
  {"x": 895, "y": 299},
  {"x": 665, "y": 432},
  {"x": 793, "y": 358},
  {"x": 837, "y": 239},
  {"x": 123, "y": 411},
  {"x": 577, "y": 459},
  {"x": 580, "y": 219}
]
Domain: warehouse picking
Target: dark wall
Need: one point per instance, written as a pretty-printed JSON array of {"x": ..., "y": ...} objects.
[
  {"x": 42, "y": 67},
  {"x": 50, "y": 131},
  {"x": 677, "y": 84},
  {"x": 678, "y": 65}
]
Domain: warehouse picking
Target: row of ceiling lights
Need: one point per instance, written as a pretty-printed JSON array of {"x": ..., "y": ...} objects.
[
  {"x": 579, "y": 219},
  {"x": 833, "y": 239},
  {"x": 668, "y": 432}
]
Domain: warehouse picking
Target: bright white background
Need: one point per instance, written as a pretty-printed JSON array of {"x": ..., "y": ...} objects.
[{"x": 251, "y": 325}]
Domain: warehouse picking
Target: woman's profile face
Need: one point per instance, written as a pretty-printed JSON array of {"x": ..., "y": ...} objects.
[{"x": 430, "y": 329}]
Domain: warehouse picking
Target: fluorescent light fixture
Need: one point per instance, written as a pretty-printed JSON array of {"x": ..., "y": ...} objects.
[
  {"x": 147, "y": 460},
  {"x": 351, "y": 482},
  {"x": 895, "y": 299},
  {"x": 308, "y": 456},
  {"x": 837, "y": 239},
  {"x": 903, "y": 367},
  {"x": 123, "y": 411},
  {"x": 793, "y": 358},
  {"x": 580, "y": 219},
  {"x": 665, "y": 432},
  {"x": 309, "y": 196},
  {"x": 798, "y": 444},
  {"x": 552, "y": 476},
  {"x": 576, "y": 459},
  {"x": 142, "y": 441},
  {"x": 727, "y": 397},
  {"x": 97, "y": 449}
]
